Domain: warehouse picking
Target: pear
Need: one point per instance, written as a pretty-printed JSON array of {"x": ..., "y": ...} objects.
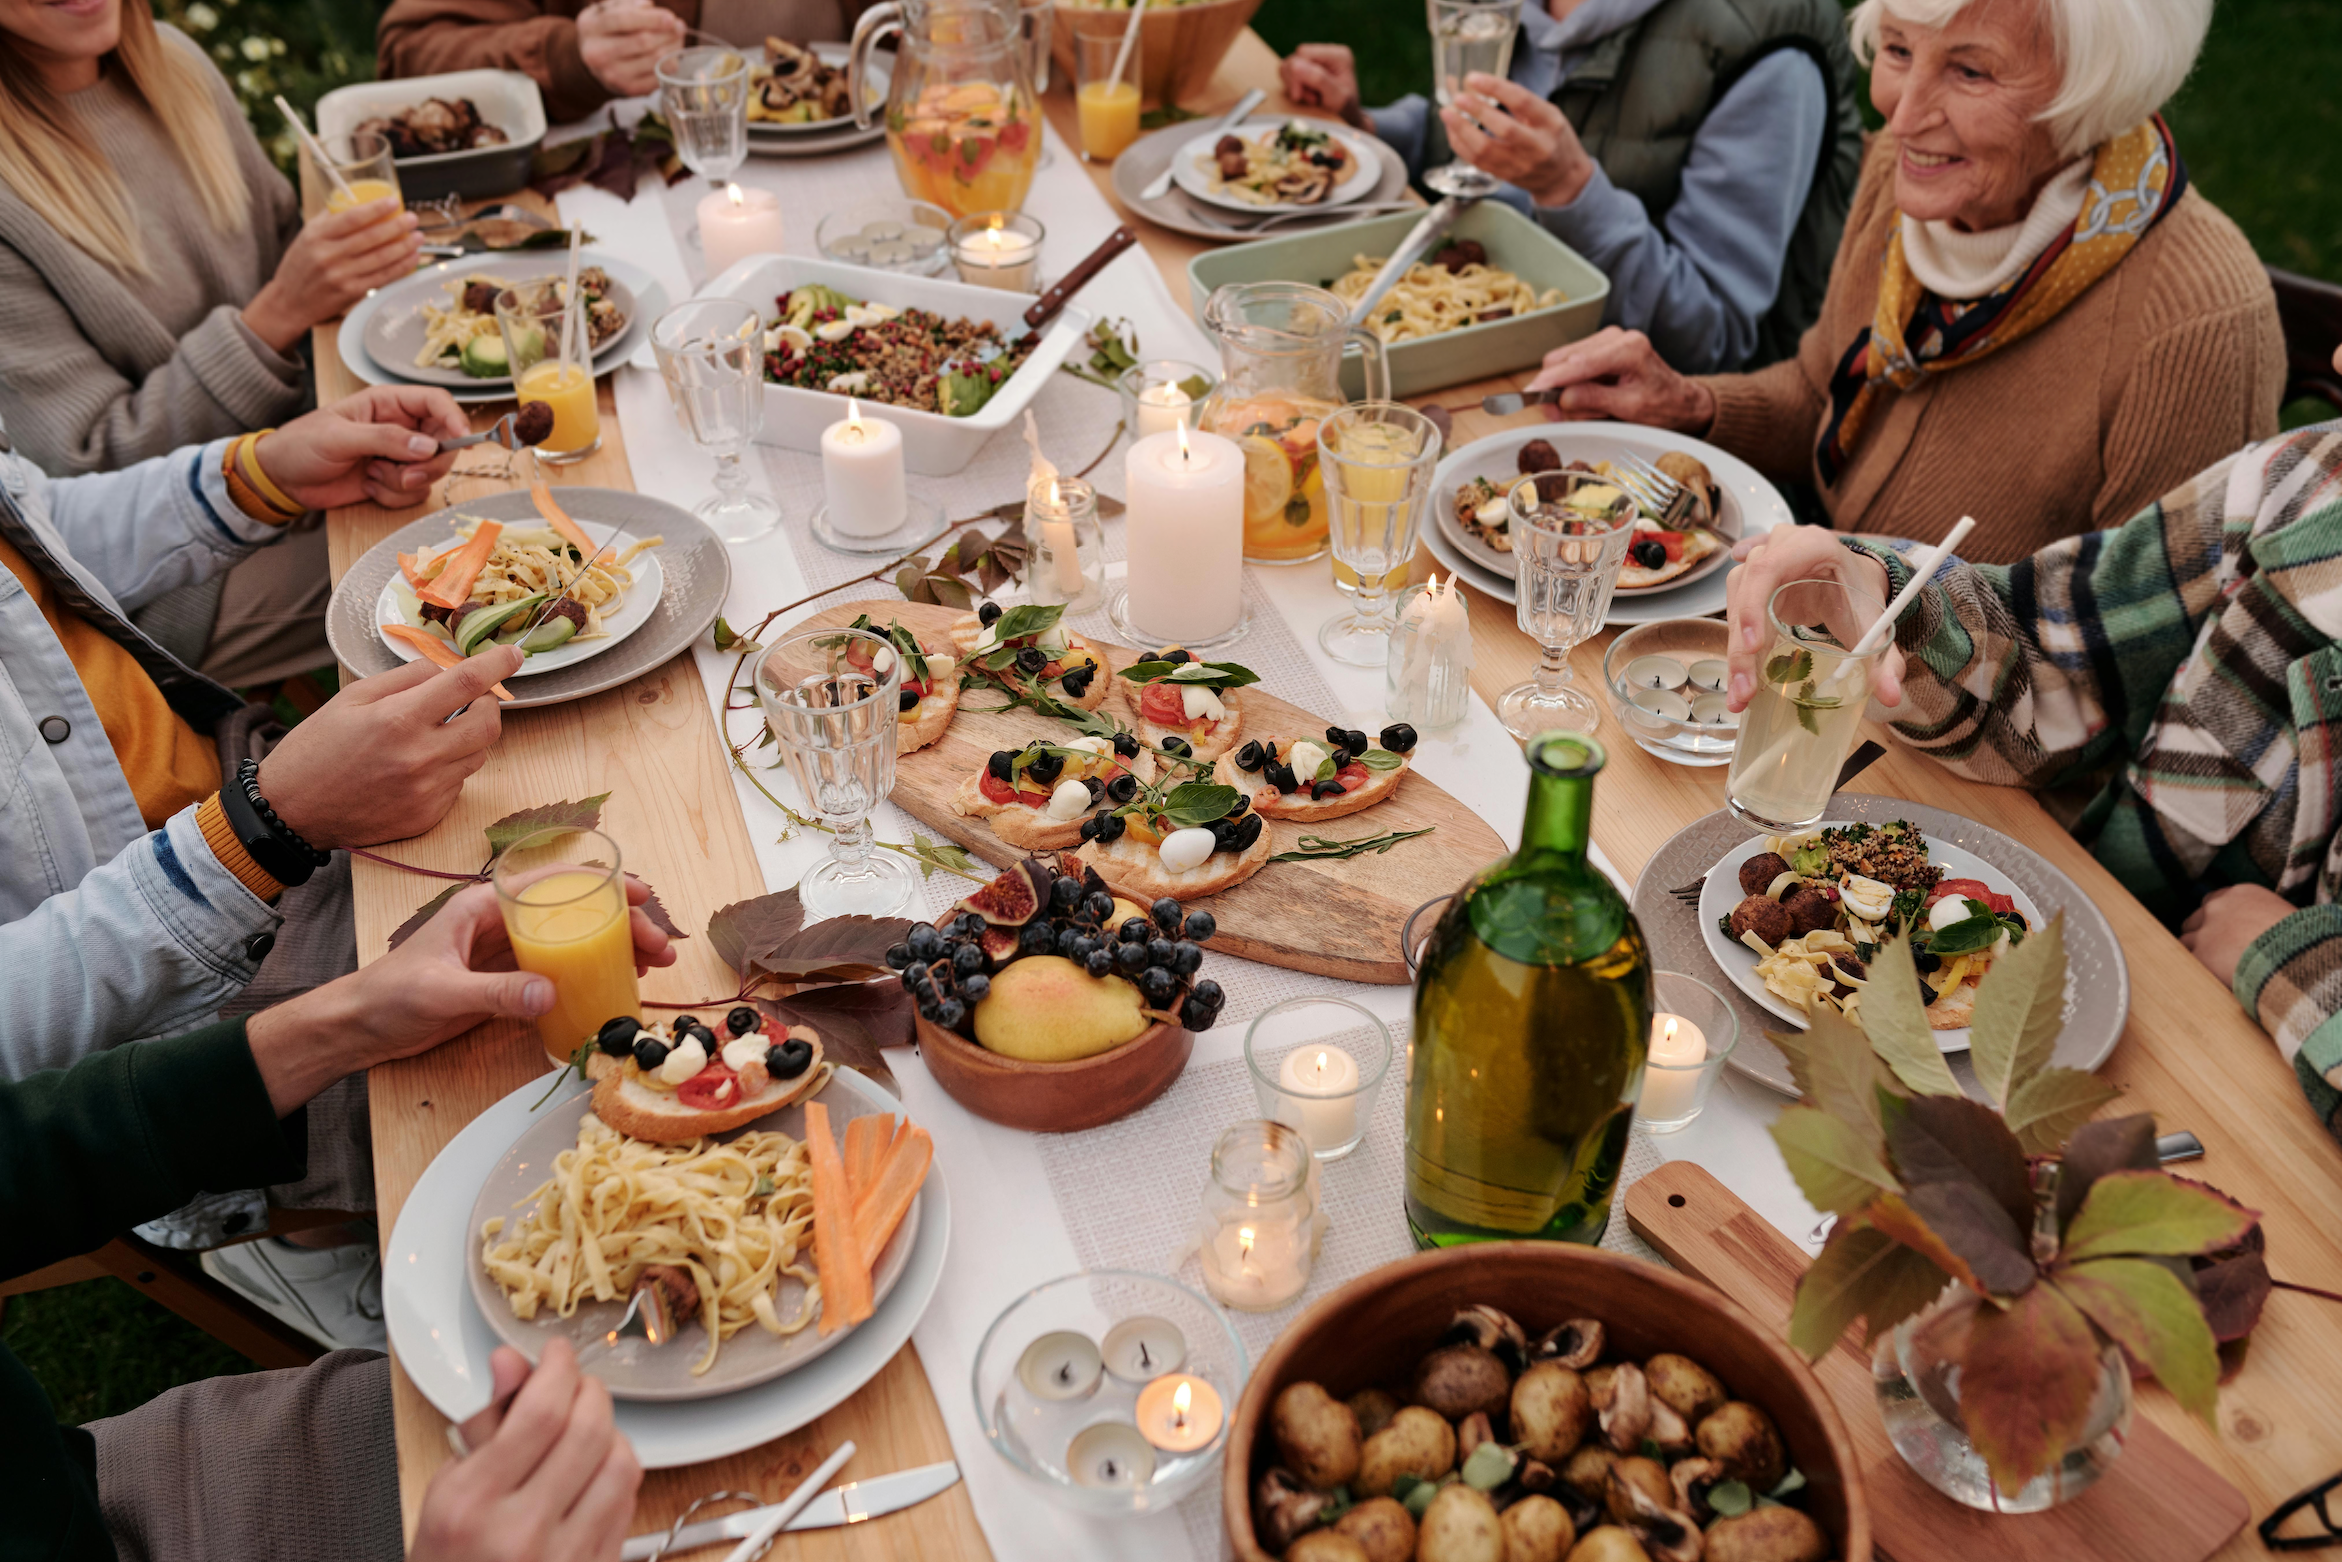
[{"x": 1046, "y": 1009}]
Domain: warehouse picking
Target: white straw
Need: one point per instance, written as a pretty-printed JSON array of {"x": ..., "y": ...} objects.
[
  {"x": 1921, "y": 574},
  {"x": 1138, "y": 11},
  {"x": 569, "y": 301},
  {"x": 789, "y": 1506},
  {"x": 316, "y": 147}
]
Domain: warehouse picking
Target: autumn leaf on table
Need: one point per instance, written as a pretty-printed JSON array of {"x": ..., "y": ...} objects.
[
  {"x": 2053, "y": 1104},
  {"x": 748, "y": 931},
  {"x": 509, "y": 831},
  {"x": 1834, "y": 1168},
  {"x": 841, "y": 949},
  {"x": 2029, "y": 1381},
  {"x": 1896, "y": 1022},
  {"x": 1954, "y": 1139},
  {"x": 2118, "y": 1144},
  {"x": 2019, "y": 1012},
  {"x": 429, "y": 909},
  {"x": 855, "y": 1020},
  {"x": 2146, "y": 1212},
  {"x": 1861, "y": 1273},
  {"x": 2151, "y": 1313}
]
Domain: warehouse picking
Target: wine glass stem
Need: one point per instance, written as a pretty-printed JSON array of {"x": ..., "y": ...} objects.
[
  {"x": 1553, "y": 671},
  {"x": 850, "y": 842},
  {"x": 731, "y": 479},
  {"x": 1372, "y": 599}
]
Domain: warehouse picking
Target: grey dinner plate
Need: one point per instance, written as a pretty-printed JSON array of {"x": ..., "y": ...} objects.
[
  {"x": 395, "y": 330},
  {"x": 2099, "y": 979},
  {"x": 634, "y": 1368},
  {"x": 698, "y": 578},
  {"x": 1149, "y": 155}
]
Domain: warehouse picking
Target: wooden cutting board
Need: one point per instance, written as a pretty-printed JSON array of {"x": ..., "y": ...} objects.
[
  {"x": 1336, "y": 918},
  {"x": 2157, "y": 1503}
]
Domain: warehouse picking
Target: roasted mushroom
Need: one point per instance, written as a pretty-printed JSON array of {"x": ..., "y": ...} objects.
[
  {"x": 1283, "y": 1509},
  {"x": 1608, "y": 1544},
  {"x": 1587, "y": 1471},
  {"x": 1634, "y": 1484},
  {"x": 1471, "y": 1432},
  {"x": 1374, "y": 1408},
  {"x": 1326, "y": 1545},
  {"x": 1693, "y": 474},
  {"x": 1461, "y": 1525},
  {"x": 1493, "y": 1331},
  {"x": 1669, "y": 1432},
  {"x": 1743, "y": 1439},
  {"x": 1693, "y": 1479},
  {"x": 1623, "y": 1402},
  {"x": 1418, "y": 1442},
  {"x": 1641, "y": 1505},
  {"x": 1575, "y": 1343},
  {"x": 1758, "y": 873}
]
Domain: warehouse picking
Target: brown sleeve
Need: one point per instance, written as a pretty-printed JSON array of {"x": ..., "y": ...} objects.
[{"x": 535, "y": 37}]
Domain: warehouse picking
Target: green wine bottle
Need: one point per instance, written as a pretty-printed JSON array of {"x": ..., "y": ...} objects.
[{"x": 1532, "y": 1019}]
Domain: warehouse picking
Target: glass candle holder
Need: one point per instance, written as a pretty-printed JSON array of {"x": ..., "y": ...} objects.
[
  {"x": 998, "y": 250},
  {"x": 1427, "y": 673},
  {"x": 1259, "y": 1233},
  {"x": 1693, "y": 1031},
  {"x": 906, "y": 236},
  {"x": 1317, "y": 1066},
  {"x": 1065, "y": 558},
  {"x": 1161, "y": 393}
]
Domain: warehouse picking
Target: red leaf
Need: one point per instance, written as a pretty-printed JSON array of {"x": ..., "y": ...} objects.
[
  {"x": 1894, "y": 1215},
  {"x": 854, "y": 1021},
  {"x": 2113, "y": 1144},
  {"x": 1861, "y": 1273},
  {"x": 749, "y": 930},
  {"x": 659, "y": 918},
  {"x": 2028, "y": 1384},
  {"x": 842, "y": 949},
  {"x": 505, "y": 833},
  {"x": 1951, "y": 1139},
  {"x": 430, "y": 908},
  {"x": 2232, "y": 1291},
  {"x": 1978, "y": 1231}
]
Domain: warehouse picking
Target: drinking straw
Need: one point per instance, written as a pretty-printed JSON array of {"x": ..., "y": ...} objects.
[
  {"x": 569, "y": 300},
  {"x": 777, "y": 1519},
  {"x": 316, "y": 148},
  {"x": 1921, "y": 574},
  {"x": 1138, "y": 10}
]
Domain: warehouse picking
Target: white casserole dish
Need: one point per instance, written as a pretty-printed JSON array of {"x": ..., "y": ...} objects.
[{"x": 506, "y": 99}]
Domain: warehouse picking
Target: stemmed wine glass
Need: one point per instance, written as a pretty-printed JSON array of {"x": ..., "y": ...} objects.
[
  {"x": 711, "y": 354},
  {"x": 1037, "y": 31},
  {"x": 703, "y": 93},
  {"x": 1377, "y": 457},
  {"x": 1565, "y": 566},
  {"x": 1467, "y": 36},
  {"x": 833, "y": 715}
]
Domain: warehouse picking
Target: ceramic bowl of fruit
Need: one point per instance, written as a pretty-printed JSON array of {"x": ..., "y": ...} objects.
[
  {"x": 1046, "y": 1002},
  {"x": 1537, "y": 1402}
]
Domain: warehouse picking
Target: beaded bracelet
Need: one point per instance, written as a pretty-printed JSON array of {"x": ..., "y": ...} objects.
[{"x": 248, "y": 777}]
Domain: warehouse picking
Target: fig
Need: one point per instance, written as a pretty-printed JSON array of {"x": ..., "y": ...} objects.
[
  {"x": 1456, "y": 1380},
  {"x": 1383, "y": 1528},
  {"x": 1012, "y": 899},
  {"x": 1317, "y": 1435},
  {"x": 1550, "y": 1411},
  {"x": 1767, "y": 1535},
  {"x": 1461, "y": 1525},
  {"x": 1684, "y": 1386},
  {"x": 1417, "y": 1442},
  {"x": 1537, "y": 1529},
  {"x": 1374, "y": 1408},
  {"x": 1743, "y": 1439}
]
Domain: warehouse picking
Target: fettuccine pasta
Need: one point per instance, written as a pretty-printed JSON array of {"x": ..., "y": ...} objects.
[
  {"x": 530, "y": 559},
  {"x": 737, "y": 1215},
  {"x": 1428, "y": 299},
  {"x": 1800, "y": 971}
]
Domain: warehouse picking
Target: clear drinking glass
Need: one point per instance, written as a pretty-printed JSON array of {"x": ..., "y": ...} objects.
[
  {"x": 1037, "y": 28},
  {"x": 834, "y": 719},
  {"x": 1807, "y": 711},
  {"x": 711, "y": 354},
  {"x": 1468, "y": 36},
  {"x": 569, "y": 922},
  {"x": 1377, "y": 457},
  {"x": 1565, "y": 565},
  {"x": 363, "y": 160},
  {"x": 531, "y": 327},
  {"x": 703, "y": 94}
]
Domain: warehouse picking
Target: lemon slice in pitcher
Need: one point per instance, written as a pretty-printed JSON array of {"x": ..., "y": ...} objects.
[{"x": 1268, "y": 479}]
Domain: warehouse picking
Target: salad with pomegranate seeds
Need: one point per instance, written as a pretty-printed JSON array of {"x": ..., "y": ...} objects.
[{"x": 825, "y": 341}]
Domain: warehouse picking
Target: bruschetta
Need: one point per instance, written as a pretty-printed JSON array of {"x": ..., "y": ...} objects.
[
  {"x": 1315, "y": 779},
  {"x": 931, "y": 682},
  {"x": 675, "y": 1083},
  {"x": 1172, "y": 695},
  {"x": 1029, "y": 648},
  {"x": 1037, "y": 797}
]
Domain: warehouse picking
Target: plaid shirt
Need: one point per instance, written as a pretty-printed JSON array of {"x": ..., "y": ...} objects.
[{"x": 2193, "y": 655}]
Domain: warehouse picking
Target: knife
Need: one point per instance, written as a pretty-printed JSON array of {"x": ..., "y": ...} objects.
[
  {"x": 1160, "y": 185},
  {"x": 1510, "y": 402},
  {"x": 851, "y": 1503},
  {"x": 1412, "y": 248}
]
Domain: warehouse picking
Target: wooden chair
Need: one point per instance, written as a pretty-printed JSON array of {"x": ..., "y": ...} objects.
[{"x": 2311, "y": 311}]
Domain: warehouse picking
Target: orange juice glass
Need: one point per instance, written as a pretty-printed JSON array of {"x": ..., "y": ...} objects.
[
  {"x": 532, "y": 350},
  {"x": 570, "y": 922},
  {"x": 363, "y": 160},
  {"x": 1105, "y": 101}
]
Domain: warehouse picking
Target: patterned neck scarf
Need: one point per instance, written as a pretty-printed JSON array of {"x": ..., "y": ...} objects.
[{"x": 2135, "y": 178}]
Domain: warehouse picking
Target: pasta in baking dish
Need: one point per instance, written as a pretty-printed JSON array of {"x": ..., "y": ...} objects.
[{"x": 1430, "y": 299}]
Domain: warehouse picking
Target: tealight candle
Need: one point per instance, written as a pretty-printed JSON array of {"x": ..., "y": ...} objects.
[
  {"x": 1185, "y": 537},
  {"x": 1655, "y": 672},
  {"x": 1309, "y": 1075},
  {"x": 1179, "y": 1413},
  {"x": 1160, "y": 407},
  {"x": 1141, "y": 1349},
  {"x": 1111, "y": 1453},
  {"x": 996, "y": 249},
  {"x": 1061, "y": 1365},
  {"x": 1664, "y": 704},
  {"x": 1714, "y": 710},
  {"x": 1707, "y": 674},
  {"x": 862, "y": 474},
  {"x": 1671, "y": 1081},
  {"x": 735, "y": 224},
  {"x": 1257, "y": 1266}
]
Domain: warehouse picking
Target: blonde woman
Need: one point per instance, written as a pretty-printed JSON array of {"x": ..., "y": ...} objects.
[{"x": 156, "y": 282}]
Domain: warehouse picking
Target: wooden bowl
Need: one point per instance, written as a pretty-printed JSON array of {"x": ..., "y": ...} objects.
[
  {"x": 1179, "y": 46},
  {"x": 1055, "y": 1097},
  {"x": 1370, "y": 1332}
]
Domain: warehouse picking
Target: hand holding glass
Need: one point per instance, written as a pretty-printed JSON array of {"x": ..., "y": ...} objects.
[
  {"x": 1807, "y": 710},
  {"x": 1468, "y": 36},
  {"x": 571, "y": 923}
]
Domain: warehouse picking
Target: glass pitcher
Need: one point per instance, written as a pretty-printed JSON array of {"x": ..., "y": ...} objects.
[
  {"x": 961, "y": 117},
  {"x": 1281, "y": 347}
]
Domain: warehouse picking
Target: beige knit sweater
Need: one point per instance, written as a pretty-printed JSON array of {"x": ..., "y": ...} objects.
[
  {"x": 99, "y": 370},
  {"x": 2168, "y": 364}
]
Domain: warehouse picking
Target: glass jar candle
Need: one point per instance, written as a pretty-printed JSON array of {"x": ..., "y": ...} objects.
[
  {"x": 1065, "y": 548},
  {"x": 1259, "y": 1234}
]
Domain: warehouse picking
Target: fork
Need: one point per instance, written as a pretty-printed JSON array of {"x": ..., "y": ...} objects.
[{"x": 1651, "y": 488}]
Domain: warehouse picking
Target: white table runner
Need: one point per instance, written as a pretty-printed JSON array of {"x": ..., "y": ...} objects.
[{"x": 1039, "y": 1206}]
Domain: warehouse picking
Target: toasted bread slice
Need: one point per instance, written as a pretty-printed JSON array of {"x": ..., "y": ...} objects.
[
  {"x": 1210, "y": 740},
  {"x": 1133, "y": 870},
  {"x": 923, "y": 725},
  {"x": 1956, "y": 1008},
  {"x": 1023, "y": 825},
  {"x": 967, "y": 628},
  {"x": 1698, "y": 544},
  {"x": 635, "y": 1109},
  {"x": 1272, "y": 804}
]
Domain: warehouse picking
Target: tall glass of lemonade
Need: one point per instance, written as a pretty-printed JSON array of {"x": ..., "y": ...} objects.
[
  {"x": 1807, "y": 710},
  {"x": 532, "y": 351},
  {"x": 569, "y": 921},
  {"x": 367, "y": 172}
]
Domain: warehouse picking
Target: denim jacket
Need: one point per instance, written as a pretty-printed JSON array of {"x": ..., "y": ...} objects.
[{"x": 109, "y": 931}]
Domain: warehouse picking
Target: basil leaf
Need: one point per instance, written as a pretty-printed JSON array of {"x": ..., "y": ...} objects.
[
  {"x": 1206, "y": 675},
  {"x": 1325, "y": 769},
  {"x": 1003, "y": 658},
  {"x": 1193, "y": 672},
  {"x": 1380, "y": 759},
  {"x": 906, "y": 646},
  {"x": 1019, "y": 623},
  {"x": 1194, "y": 803},
  {"x": 1971, "y": 936}
]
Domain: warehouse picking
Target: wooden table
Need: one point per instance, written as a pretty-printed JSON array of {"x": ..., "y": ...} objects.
[{"x": 2188, "y": 1054}]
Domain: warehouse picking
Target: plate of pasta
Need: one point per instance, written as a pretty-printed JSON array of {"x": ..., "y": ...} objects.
[
  {"x": 1283, "y": 166},
  {"x": 514, "y": 583},
  {"x": 1454, "y": 288},
  {"x": 438, "y": 327},
  {"x": 719, "y": 1231}
]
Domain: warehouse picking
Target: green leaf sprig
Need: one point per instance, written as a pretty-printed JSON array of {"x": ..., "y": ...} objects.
[
  {"x": 1320, "y": 848},
  {"x": 906, "y": 645},
  {"x": 1203, "y": 675}
]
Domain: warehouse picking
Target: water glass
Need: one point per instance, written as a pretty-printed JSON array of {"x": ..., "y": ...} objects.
[
  {"x": 569, "y": 922},
  {"x": 1807, "y": 710},
  {"x": 1317, "y": 1066},
  {"x": 1037, "y": 30},
  {"x": 1377, "y": 457},
  {"x": 1468, "y": 36},
  {"x": 834, "y": 718},
  {"x": 1565, "y": 566},
  {"x": 703, "y": 94},
  {"x": 1693, "y": 1032},
  {"x": 711, "y": 354}
]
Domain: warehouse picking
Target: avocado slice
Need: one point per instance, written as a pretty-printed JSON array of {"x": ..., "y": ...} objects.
[
  {"x": 553, "y": 633},
  {"x": 484, "y": 358},
  {"x": 481, "y": 623}
]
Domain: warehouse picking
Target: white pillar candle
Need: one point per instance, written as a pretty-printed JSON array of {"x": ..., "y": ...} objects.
[
  {"x": 1308, "y": 1076},
  {"x": 735, "y": 224},
  {"x": 862, "y": 474},
  {"x": 1162, "y": 407},
  {"x": 1671, "y": 1083},
  {"x": 1185, "y": 536}
]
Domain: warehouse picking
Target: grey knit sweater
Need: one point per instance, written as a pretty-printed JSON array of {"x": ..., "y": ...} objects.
[{"x": 98, "y": 369}]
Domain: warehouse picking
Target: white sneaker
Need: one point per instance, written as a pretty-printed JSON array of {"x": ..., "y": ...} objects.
[{"x": 331, "y": 1294}]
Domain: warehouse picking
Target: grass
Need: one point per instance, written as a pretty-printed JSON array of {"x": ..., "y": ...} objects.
[{"x": 100, "y": 1347}]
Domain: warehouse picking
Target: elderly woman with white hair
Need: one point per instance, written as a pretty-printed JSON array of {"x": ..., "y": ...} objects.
[{"x": 2033, "y": 318}]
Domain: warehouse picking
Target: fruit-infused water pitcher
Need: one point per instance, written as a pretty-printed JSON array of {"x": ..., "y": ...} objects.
[
  {"x": 1281, "y": 346},
  {"x": 961, "y": 117}
]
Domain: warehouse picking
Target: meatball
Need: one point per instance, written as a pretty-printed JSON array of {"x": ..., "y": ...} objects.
[
  {"x": 1767, "y": 919},
  {"x": 1459, "y": 254},
  {"x": 1758, "y": 873},
  {"x": 1810, "y": 911},
  {"x": 1539, "y": 456},
  {"x": 480, "y": 297}
]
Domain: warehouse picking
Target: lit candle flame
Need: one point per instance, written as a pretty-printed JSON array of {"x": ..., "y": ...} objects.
[
  {"x": 1185, "y": 454},
  {"x": 1055, "y": 503},
  {"x": 1180, "y": 1399},
  {"x": 732, "y": 194},
  {"x": 854, "y": 429},
  {"x": 1243, "y": 1242},
  {"x": 1670, "y": 1035},
  {"x": 1321, "y": 1068}
]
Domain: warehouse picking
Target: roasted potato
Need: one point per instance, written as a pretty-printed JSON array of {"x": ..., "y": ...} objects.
[
  {"x": 1374, "y": 1408},
  {"x": 1383, "y": 1528},
  {"x": 1537, "y": 1529},
  {"x": 1550, "y": 1411},
  {"x": 1317, "y": 1435},
  {"x": 1417, "y": 1442},
  {"x": 1767, "y": 1535},
  {"x": 1461, "y": 1525},
  {"x": 1457, "y": 1380},
  {"x": 1743, "y": 1439},
  {"x": 1326, "y": 1545}
]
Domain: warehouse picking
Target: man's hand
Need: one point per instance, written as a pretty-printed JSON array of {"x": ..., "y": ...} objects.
[
  {"x": 550, "y": 1478},
  {"x": 1324, "y": 75},
  {"x": 622, "y": 41},
  {"x": 1504, "y": 129},
  {"x": 1769, "y": 562},
  {"x": 2220, "y": 930},
  {"x": 330, "y": 265},
  {"x": 453, "y": 973},
  {"x": 1619, "y": 374},
  {"x": 381, "y": 444},
  {"x": 381, "y": 761}
]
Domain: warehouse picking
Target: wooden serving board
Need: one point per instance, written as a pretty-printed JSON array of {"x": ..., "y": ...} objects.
[
  {"x": 1335, "y": 918},
  {"x": 2157, "y": 1503}
]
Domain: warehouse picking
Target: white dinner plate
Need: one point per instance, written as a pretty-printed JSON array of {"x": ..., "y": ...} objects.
[
  {"x": 397, "y": 605},
  {"x": 765, "y": 136},
  {"x": 1751, "y": 505},
  {"x": 650, "y": 300},
  {"x": 1721, "y": 892},
  {"x": 443, "y": 1342},
  {"x": 1189, "y": 169}
]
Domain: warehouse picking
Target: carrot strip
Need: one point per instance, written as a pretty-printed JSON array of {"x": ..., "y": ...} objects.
[
  {"x": 867, "y": 1137},
  {"x": 436, "y": 651},
  {"x": 411, "y": 566},
  {"x": 558, "y": 518},
  {"x": 454, "y": 585},
  {"x": 876, "y": 1217},
  {"x": 837, "y": 1256}
]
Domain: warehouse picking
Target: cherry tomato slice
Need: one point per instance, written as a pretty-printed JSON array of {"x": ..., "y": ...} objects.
[
  {"x": 1161, "y": 704},
  {"x": 711, "y": 1089},
  {"x": 1000, "y": 792},
  {"x": 1352, "y": 776}
]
